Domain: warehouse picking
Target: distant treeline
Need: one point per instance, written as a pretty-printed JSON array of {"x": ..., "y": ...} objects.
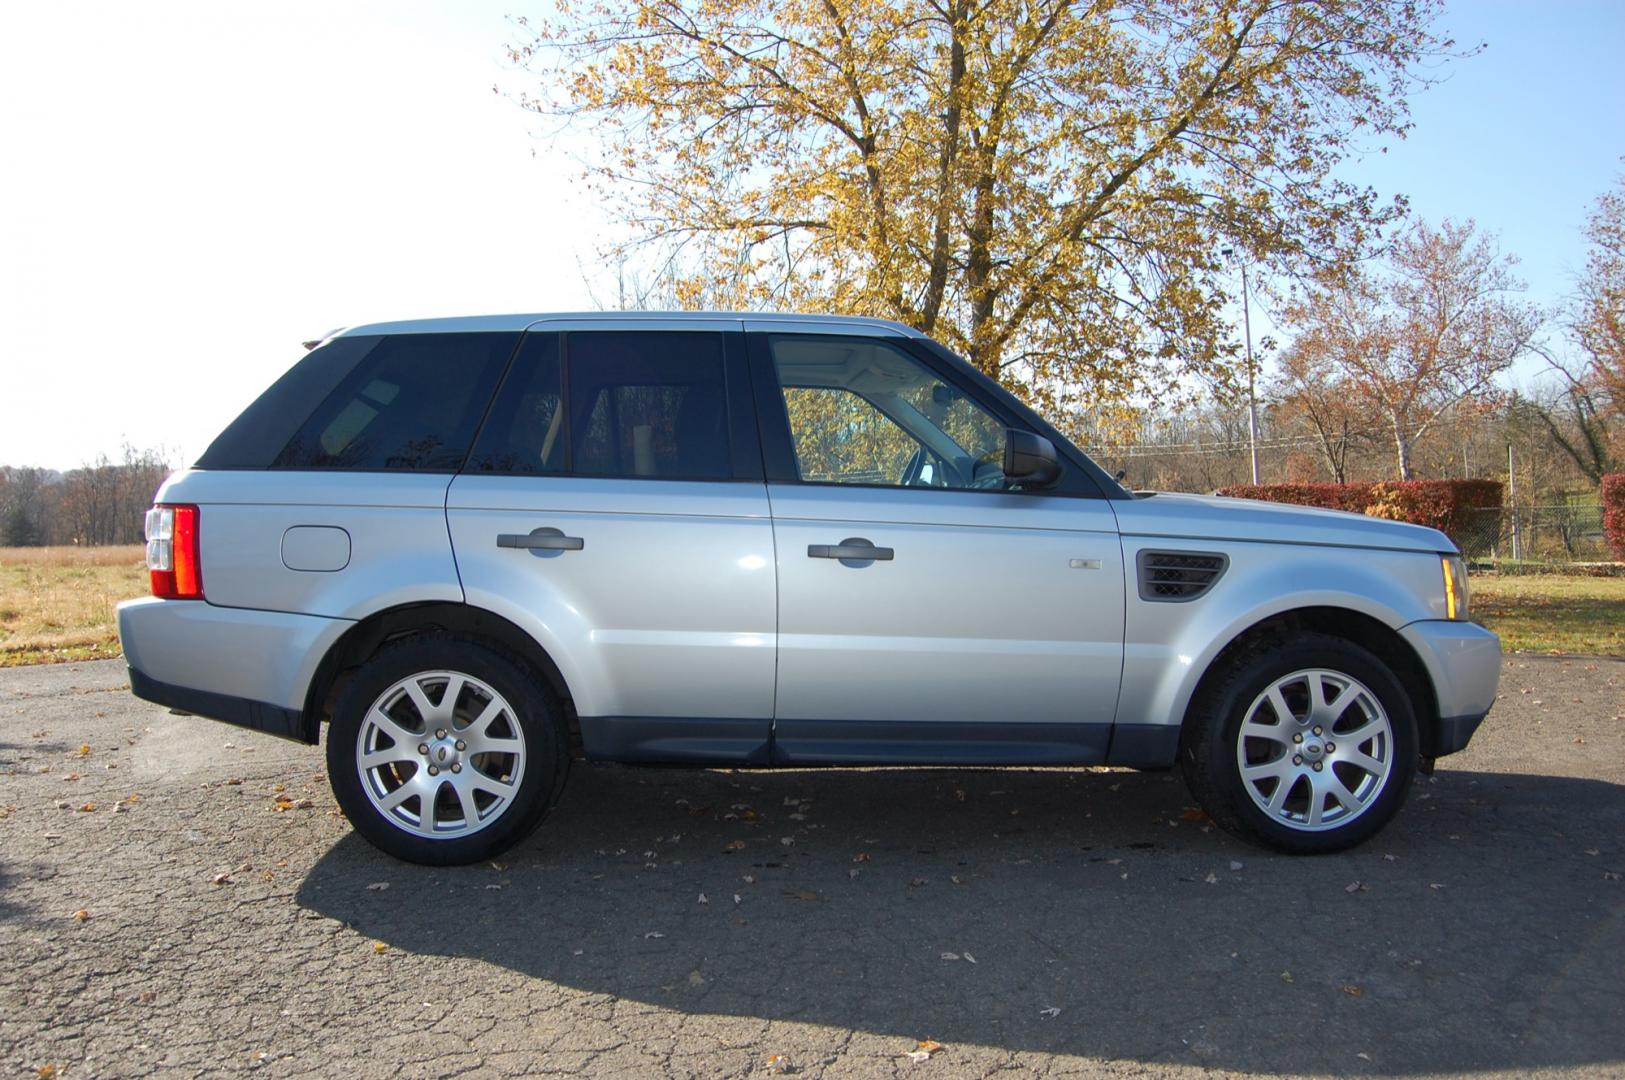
[{"x": 104, "y": 502}]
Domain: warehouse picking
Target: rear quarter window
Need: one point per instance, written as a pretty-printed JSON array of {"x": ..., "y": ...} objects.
[{"x": 412, "y": 403}]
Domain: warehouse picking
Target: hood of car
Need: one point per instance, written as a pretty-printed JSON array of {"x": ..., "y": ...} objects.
[{"x": 1212, "y": 517}]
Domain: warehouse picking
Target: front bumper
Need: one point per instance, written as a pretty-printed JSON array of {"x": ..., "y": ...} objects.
[
  {"x": 245, "y": 667},
  {"x": 1463, "y": 661}
]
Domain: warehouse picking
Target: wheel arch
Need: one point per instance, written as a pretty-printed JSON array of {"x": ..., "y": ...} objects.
[
  {"x": 1377, "y": 638},
  {"x": 361, "y": 641}
]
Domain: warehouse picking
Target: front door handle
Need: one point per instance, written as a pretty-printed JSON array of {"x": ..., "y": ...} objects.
[
  {"x": 543, "y": 539},
  {"x": 853, "y": 547}
]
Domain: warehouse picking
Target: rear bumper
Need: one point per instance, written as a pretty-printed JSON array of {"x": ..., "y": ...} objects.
[
  {"x": 1464, "y": 663},
  {"x": 245, "y": 667},
  {"x": 271, "y": 719}
]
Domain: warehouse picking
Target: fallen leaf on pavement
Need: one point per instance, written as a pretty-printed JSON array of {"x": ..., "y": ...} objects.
[
  {"x": 1353, "y": 991},
  {"x": 81, "y": 915},
  {"x": 221, "y": 879},
  {"x": 379, "y": 947},
  {"x": 87, "y": 808},
  {"x": 734, "y": 845},
  {"x": 776, "y": 1063}
]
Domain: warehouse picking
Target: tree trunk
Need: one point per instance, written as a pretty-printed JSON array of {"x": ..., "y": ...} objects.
[{"x": 1402, "y": 444}]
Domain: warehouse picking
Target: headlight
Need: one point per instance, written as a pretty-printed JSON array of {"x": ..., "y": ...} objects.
[{"x": 1455, "y": 586}]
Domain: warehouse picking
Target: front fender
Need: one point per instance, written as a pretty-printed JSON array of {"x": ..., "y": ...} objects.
[{"x": 1169, "y": 647}]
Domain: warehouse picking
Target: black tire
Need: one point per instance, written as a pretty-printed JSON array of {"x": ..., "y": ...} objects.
[
  {"x": 1209, "y": 756},
  {"x": 533, "y": 711}
]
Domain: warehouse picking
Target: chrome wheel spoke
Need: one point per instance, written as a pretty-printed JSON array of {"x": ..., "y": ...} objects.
[
  {"x": 1283, "y": 711},
  {"x": 495, "y": 746},
  {"x": 1362, "y": 761},
  {"x": 1278, "y": 797},
  {"x": 1279, "y": 769},
  {"x": 499, "y": 788},
  {"x": 1341, "y": 703},
  {"x": 395, "y": 798},
  {"x": 471, "y": 810},
  {"x": 388, "y": 756},
  {"x": 389, "y": 726},
  {"x": 1364, "y": 733},
  {"x": 1317, "y": 801},
  {"x": 420, "y": 701},
  {"x": 1272, "y": 732},
  {"x": 480, "y": 724},
  {"x": 1339, "y": 791},
  {"x": 431, "y": 792}
]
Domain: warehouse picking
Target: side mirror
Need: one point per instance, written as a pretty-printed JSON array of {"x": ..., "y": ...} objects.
[{"x": 1029, "y": 460}]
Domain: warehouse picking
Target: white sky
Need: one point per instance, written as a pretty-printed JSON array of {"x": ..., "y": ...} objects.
[{"x": 188, "y": 189}]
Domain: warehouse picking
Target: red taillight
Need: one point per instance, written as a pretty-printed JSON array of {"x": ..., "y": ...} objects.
[{"x": 172, "y": 552}]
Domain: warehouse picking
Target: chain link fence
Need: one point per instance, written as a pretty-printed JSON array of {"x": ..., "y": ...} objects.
[{"x": 1562, "y": 533}]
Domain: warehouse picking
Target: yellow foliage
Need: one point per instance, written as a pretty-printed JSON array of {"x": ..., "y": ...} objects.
[{"x": 1043, "y": 186}]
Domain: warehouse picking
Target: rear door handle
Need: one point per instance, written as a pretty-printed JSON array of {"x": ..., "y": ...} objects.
[
  {"x": 543, "y": 539},
  {"x": 853, "y": 547}
]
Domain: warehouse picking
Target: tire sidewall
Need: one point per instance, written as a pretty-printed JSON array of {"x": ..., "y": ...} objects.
[
  {"x": 534, "y": 711},
  {"x": 1229, "y": 709}
]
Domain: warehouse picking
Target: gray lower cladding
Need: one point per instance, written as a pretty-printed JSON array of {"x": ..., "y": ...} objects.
[
  {"x": 1454, "y": 733},
  {"x": 257, "y": 715},
  {"x": 671, "y": 740}
]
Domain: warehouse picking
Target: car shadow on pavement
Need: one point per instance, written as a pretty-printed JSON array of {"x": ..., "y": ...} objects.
[{"x": 1090, "y": 912}]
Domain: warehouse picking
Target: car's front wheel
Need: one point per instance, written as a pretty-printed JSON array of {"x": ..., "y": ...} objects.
[
  {"x": 1305, "y": 746},
  {"x": 443, "y": 751}
]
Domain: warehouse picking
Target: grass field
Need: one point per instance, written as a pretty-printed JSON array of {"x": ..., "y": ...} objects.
[
  {"x": 57, "y": 604},
  {"x": 1549, "y": 613}
]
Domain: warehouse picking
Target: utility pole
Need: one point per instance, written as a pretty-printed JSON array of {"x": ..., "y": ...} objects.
[
  {"x": 1512, "y": 498},
  {"x": 1247, "y": 329}
]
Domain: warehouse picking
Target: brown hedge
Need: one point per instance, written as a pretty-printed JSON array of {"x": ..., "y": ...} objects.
[{"x": 1454, "y": 507}]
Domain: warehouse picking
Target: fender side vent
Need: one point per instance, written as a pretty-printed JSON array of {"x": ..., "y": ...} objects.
[{"x": 1178, "y": 576}]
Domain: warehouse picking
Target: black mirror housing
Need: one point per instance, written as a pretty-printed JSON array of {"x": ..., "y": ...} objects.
[{"x": 1030, "y": 460}]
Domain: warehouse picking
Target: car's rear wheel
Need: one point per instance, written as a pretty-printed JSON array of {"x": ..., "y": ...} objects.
[
  {"x": 444, "y": 751},
  {"x": 1305, "y": 746}
]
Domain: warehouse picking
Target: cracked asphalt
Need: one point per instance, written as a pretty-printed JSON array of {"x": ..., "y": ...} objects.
[{"x": 181, "y": 898}]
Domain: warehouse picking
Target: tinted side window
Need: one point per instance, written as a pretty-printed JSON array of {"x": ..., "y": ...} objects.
[
  {"x": 840, "y": 438},
  {"x": 648, "y": 404},
  {"x": 863, "y": 411},
  {"x": 412, "y": 404},
  {"x": 254, "y": 439},
  {"x": 525, "y": 431}
]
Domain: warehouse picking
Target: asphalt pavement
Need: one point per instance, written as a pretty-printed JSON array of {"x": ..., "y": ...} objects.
[{"x": 181, "y": 898}]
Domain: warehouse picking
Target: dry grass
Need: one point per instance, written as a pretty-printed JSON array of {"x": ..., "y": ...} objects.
[
  {"x": 1552, "y": 613},
  {"x": 56, "y": 603}
]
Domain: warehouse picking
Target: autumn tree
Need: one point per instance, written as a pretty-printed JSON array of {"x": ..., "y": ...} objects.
[
  {"x": 1599, "y": 321},
  {"x": 1043, "y": 185},
  {"x": 1316, "y": 399},
  {"x": 1424, "y": 331}
]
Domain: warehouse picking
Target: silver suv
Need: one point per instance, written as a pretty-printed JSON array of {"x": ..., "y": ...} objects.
[{"x": 479, "y": 548}]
